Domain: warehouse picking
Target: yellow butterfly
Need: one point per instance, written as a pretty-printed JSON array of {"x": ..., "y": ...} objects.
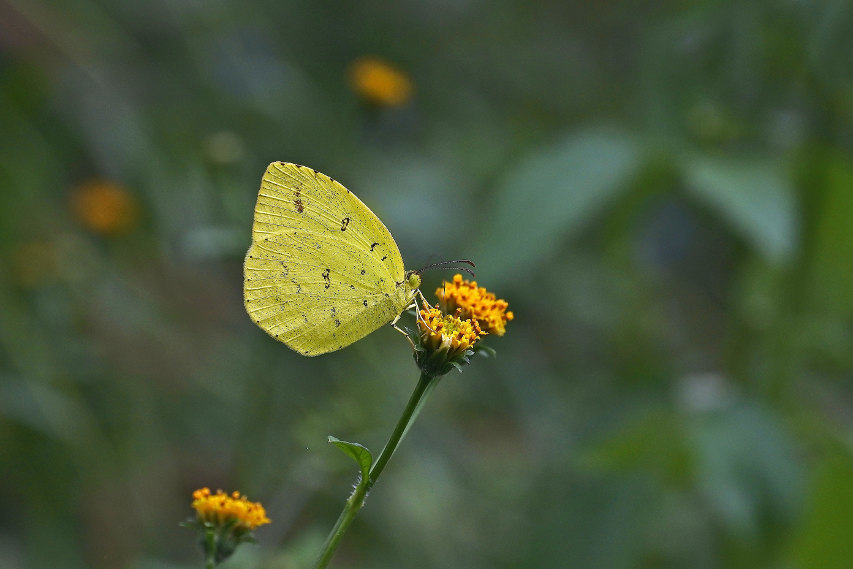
[{"x": 322, "y": 270}]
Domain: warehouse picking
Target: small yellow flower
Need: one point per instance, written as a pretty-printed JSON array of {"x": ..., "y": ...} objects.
[
  {"x": 447, "y": 332},
  {"x": 104, "y": 207},
  {"x": 220, "y": 509},
  {"x": 379, "y": 82},
  {"x": 474, "y": 302},
  {"x": 445, "y": 340}
]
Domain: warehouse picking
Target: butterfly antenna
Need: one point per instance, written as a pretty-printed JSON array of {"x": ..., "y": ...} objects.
[{"x": 449, "y": 265}]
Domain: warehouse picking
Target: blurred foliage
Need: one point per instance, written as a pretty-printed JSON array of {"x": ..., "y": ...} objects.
[{"x": 676, "y": 178}]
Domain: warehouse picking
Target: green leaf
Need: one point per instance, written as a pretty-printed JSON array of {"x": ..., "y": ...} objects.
[
  {"x": 756, "y": 197},
  {"x": 359, "y": 453},
  {"x": 549, "y": 196},
  {"x": 484, "y": 351}
]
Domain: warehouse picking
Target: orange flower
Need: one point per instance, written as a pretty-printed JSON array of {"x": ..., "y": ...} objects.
[
  {"x": 221, "y": 509},
  {"x": 474, "y": 302},
  {"x": 379, "y": 82},
  {"x": 104, "y": 207}
]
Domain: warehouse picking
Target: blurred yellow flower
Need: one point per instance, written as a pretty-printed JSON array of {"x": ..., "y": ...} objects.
[
  {"x": 105, "y": 207},
  {"x": 221, "y": 509},
  {"x": 379, "y": 82},
  {"x": 474, "y": 302}
]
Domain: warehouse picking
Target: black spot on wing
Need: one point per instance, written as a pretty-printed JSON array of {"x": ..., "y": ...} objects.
[
  {"x": 344, "y": 222},
  {"x": 327, "y": 278},
  {"x": 297, "y": 199}
]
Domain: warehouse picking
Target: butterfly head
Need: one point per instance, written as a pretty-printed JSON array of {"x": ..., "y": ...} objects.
[{"x": 411, "y": 283}]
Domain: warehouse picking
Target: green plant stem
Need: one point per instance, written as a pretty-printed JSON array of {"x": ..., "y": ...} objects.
[
  {"x": 209, "y": 548},
  {"x": 354, "y": 503}
]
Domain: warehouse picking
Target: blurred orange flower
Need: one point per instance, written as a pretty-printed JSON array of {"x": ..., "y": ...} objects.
[
  {"x": 105, "y": 207},
  {"x": 379, "y": 82}
]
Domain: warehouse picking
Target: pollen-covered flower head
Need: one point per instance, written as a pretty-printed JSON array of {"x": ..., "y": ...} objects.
[
  {"x": 445, "y": 340},
  {"x": 448, "y": 332},
  {"x": 221, "y": 509},
  {"x": 474, "y": 302}
]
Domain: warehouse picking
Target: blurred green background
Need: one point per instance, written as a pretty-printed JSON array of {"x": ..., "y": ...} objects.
[{"x": 663, "y": 191}]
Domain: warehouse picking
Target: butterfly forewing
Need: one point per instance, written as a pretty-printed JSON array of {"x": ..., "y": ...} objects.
[{"x": 294, "y": 196}]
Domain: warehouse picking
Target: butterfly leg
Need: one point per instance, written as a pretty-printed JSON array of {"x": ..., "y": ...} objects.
[
  {"x": 413, "y": 305},
  {"x": 421, "y": 295},
  {"x": 400, "y": 330},
  {"x": 418, "y": 312}
]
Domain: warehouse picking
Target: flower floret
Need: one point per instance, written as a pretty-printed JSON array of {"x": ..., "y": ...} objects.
[{"x": 476, "y": 303}]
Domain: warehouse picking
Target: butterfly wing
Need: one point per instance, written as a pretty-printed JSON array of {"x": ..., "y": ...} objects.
[{"x": 322, "y": 271}]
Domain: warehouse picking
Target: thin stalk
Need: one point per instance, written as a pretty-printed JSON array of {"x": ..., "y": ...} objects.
[
  {"x": 354, "y": 503},
  {"x": 209, "y": 548}
]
